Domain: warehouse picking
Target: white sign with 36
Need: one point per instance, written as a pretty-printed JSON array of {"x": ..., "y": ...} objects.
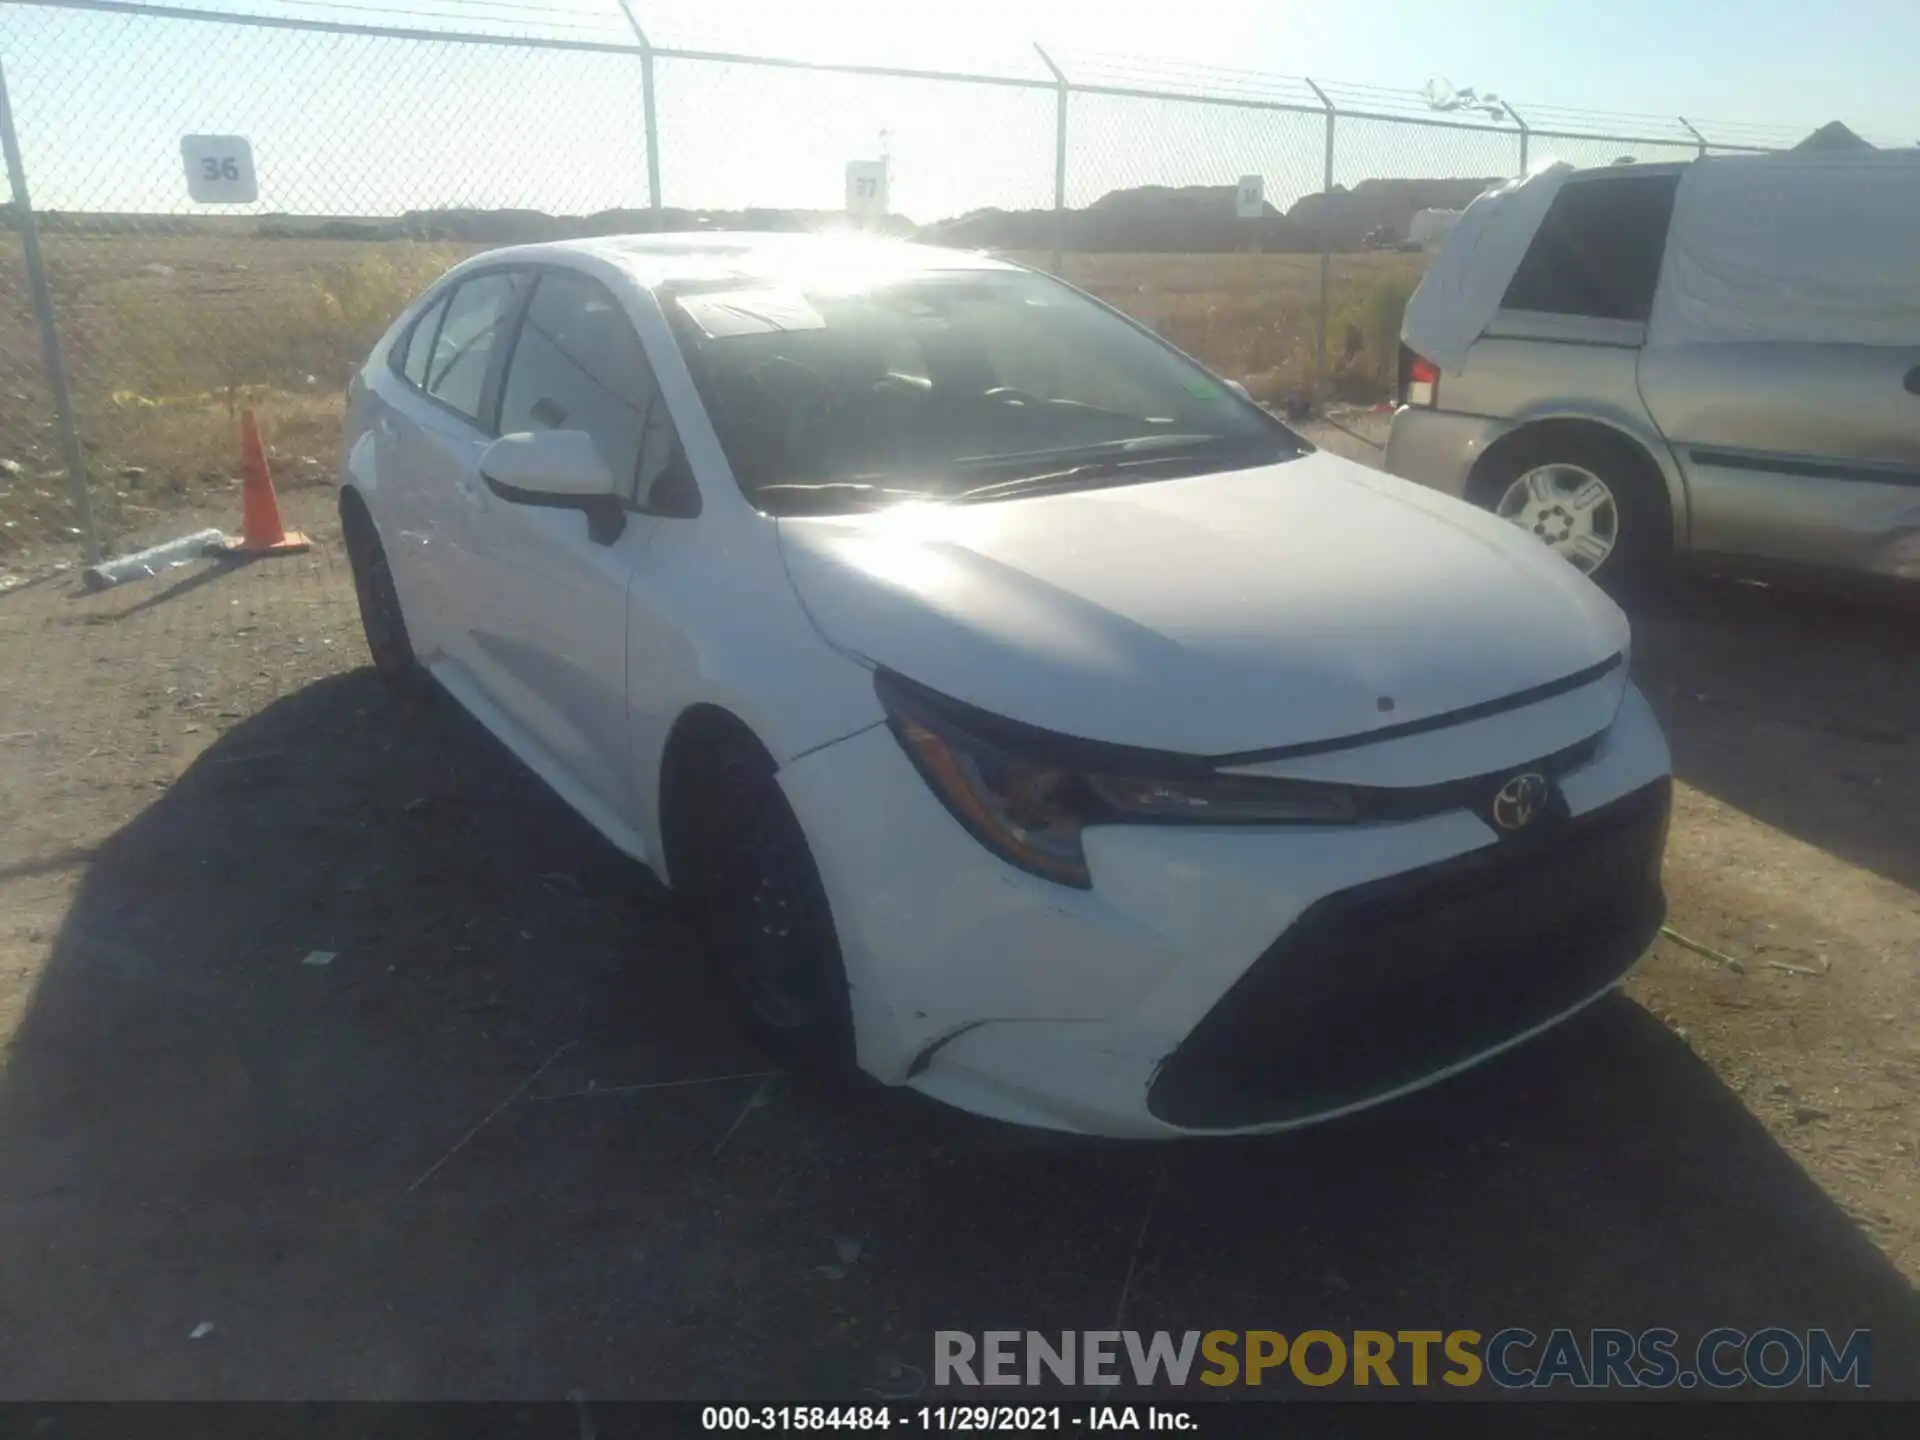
[{"x": 219, "y": 169}]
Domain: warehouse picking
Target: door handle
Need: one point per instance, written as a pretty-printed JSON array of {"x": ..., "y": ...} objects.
[{"x": 1913, "y": 381}]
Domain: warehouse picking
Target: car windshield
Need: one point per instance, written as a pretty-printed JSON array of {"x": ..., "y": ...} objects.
[{"x": 967, "y": 385}]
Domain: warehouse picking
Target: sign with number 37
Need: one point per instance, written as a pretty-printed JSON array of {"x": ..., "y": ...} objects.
[{"x": 219, "y": 169}]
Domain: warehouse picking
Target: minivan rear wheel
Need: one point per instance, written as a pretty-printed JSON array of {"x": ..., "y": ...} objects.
[{"x": 1589, "y": 500}]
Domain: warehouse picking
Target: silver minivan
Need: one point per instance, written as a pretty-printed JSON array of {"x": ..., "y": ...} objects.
[{"x": 1718, "y": 360}]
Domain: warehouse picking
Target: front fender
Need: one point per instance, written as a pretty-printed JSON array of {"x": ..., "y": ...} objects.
[{"x": 713, "y": 621}]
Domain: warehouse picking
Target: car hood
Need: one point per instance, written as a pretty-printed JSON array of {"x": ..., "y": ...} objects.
[{"x": 1306, "y": 601}]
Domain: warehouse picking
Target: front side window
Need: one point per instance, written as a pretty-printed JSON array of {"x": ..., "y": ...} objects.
[
  {"x": 1598, "y": 250},
  {"x": 578, "y": 365},
  {"x": 949, "y": 385},
  {"x": 477, "y": 316}
]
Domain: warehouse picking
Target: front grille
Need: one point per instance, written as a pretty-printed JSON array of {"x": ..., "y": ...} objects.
[{"x": 1378, "y": 986}]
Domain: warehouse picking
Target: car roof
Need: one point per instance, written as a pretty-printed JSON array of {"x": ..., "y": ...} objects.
[
  {"x": 1654, "y": 167},
  {"x": 667, "y": 259}
]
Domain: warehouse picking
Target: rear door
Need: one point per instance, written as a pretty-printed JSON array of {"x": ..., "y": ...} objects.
[
  {"x": 399, "y": 509},
  {"x": 1807, "y": 454},
  {"x": 448, "y": 426},
  {"x": 1784, "y": 362}
]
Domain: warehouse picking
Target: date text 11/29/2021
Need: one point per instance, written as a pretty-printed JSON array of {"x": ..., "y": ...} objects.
[{"x": 978, "y": 1419}]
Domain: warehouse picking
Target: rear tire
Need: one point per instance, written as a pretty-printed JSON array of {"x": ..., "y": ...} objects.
[
  {"x": 381, "y": 618},
  {"x": 743, "y": 862},
  {"x": 1594, "y": 501}
]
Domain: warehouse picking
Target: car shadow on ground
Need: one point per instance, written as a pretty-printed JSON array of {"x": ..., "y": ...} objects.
[
  {"x": 1797, "y": 707},
  {"x": 341, "y": 1050}
]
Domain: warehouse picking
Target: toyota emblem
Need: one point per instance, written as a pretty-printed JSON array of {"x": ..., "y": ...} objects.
[{"x": 1518, "y": 803}]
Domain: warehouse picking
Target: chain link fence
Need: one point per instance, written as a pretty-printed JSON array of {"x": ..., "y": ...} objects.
[{"x": 383, "y": 154}]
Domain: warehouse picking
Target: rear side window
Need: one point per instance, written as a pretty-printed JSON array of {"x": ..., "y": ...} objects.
[
  {"x": 1598, "y": 251},
  {"x": 477, "y": 318},
  {"x": 420, "y": 344}
]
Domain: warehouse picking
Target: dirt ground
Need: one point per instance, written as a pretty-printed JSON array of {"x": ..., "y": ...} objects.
[{"x": 504, "y": 1142}]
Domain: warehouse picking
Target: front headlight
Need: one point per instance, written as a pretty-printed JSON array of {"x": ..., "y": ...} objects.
[{"x": 1027, "y": 796}]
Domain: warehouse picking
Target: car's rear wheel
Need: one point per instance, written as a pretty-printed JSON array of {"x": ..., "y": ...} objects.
[
  {"x": 380, "y": 614},
  {"x": 757, "y": 898},
  {"x": 1590, "y": 500}
]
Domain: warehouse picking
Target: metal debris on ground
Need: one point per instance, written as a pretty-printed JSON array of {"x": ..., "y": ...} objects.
[
  {"x": 202, "y": 1330},
  {"x": 754, "y": 1102},
  {"x": 151, "y": 561},
  {"x": 596, "y": 1089},
  {"x": 321, "y": 957},
  {"x": 1825, "y": 966},
  {"x": 1737, "y": 966}
]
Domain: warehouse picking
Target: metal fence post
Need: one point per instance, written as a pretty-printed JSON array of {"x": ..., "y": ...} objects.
[
  {"x": 56, "y": 365},
  {"x": 648, "y": 118},
  {"x": 1696, "y": 135},
  {"x": 1059, "y": 160},
  {"x": 1326, "y": 258},
  {"x": 1526, "y": 135}
]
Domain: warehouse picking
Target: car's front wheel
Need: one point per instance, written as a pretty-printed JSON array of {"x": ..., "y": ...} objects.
[
  {"x": 380, "y": 616},
  {"x": 757, "y": 898}
]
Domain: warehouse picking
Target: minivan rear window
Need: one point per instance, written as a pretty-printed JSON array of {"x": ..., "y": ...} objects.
[{"x": 1598, "y": 251}]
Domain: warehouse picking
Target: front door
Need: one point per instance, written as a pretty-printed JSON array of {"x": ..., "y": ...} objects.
[{"x": 552, "y": 653}]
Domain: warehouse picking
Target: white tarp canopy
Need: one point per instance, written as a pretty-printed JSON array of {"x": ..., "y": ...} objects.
[
  {"x": 1817, "y": 248},
  {"x": 1463, "y": 287}
]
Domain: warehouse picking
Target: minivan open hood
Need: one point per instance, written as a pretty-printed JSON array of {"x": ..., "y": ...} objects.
[{"x": 1213, "y": 615}]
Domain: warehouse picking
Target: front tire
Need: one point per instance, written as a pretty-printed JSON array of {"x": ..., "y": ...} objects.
[
  {"x": 1590, "y": 500},
  {"x": 760, "y": 906}
]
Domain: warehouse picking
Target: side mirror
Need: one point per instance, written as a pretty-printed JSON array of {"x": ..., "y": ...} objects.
[{"x": 559, "y": 470}]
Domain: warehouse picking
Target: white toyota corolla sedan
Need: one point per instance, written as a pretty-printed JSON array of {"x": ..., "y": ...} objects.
[{"x": 1028, "y": 717}]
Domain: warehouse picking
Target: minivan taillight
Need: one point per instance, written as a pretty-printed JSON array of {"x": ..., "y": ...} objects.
[{"x": 1419, "y": 379}]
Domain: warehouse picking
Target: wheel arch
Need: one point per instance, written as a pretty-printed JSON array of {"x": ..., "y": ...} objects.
[
  {"x": 1633, "y": 441},
  {"x": 697, "y": 732}
]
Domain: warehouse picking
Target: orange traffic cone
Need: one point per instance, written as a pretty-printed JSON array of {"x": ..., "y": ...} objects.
[{"x": 260, "y": 530}]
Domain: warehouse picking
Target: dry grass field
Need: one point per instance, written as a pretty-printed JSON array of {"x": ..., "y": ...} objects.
[
  {"x": 167, "y": 337},
  {"x": 1251, "y": 317}
]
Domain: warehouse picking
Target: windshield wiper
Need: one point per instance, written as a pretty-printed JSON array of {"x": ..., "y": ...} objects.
[
  {"x": 1068, "y": 478},
  {"x": 1108, "y": 467},
  {"x": 831, "y": 491},
  {"x": 1081, "y": 454}
]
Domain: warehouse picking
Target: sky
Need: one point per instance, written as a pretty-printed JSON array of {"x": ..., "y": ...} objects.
[
  {"x": 353, "y": 125},
  {"x": 1797, "y": 63}
]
